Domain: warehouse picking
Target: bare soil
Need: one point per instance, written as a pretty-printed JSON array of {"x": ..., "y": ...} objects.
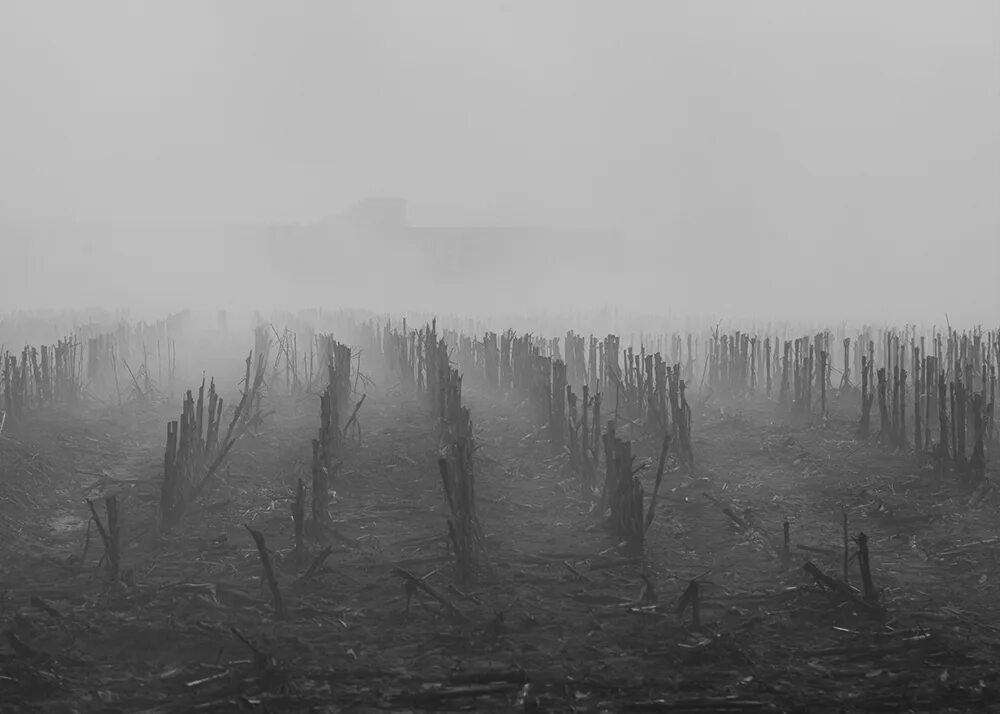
[{"x": 557, "y": 624}]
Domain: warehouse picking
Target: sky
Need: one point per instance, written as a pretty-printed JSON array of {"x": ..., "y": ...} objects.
[{"x": 780, "y": 156}]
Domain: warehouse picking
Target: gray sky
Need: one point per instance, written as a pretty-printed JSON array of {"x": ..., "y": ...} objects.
[{"x": 845, "y": 139}]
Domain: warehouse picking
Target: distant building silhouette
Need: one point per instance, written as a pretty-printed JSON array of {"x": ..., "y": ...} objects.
[
  {"x": 481, "y": 258},
  {"x": 379, "y": 215}
]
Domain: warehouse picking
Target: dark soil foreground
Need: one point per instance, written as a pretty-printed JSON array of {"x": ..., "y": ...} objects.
[{"x": 562, "y": 622}]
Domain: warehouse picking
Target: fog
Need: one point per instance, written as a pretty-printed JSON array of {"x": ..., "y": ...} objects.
[{"x": 825, "y": 160}]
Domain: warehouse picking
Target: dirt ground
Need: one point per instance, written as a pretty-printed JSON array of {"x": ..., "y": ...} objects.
[{"x": 558, "y": 624}]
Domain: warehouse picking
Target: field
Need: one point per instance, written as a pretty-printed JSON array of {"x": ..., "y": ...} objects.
[{"x": 750, "y": 547}]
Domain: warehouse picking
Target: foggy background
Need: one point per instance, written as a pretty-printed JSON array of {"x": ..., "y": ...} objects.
[{"x": 792, "y": 159}]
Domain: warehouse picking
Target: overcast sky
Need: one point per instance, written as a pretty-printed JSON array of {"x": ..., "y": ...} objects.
[{"x": 855, "y": 141}]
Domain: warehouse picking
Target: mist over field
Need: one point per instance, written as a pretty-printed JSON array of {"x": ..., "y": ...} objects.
[
  {"x": 784, "y": 159},
  {"x": 499, "y": 355}
]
